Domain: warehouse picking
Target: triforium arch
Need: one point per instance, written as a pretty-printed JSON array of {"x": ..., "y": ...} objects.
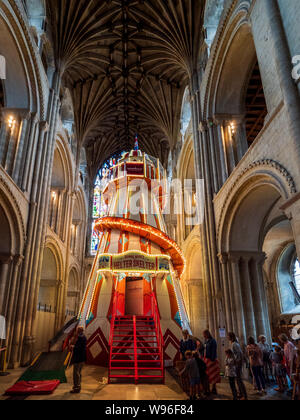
[
  {"x": 78, "y": 227},
  {"x": 187, "y": 176},
  {"x": 23, "y": 86},
  {"x": 61, "y": 188},
  {"x": 254, "y": 200},
  {"x": 234, "y": 102}
]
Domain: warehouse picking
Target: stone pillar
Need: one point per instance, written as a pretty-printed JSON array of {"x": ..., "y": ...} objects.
[
  {"x": 12, "y": 302},
  {"x": 26, "y": 170},
  {"x": 19, "y": 150},
  {"x": 284, "y": 66},
  {"x": 197, "y": 307},
  {"x": 60, "y": 211},
  {"x": 292, "y": 211},
  {"x": 238, "y": 298},
  {"x": 5, "y": 261},
  {"x": 240, "y": 137},
  {"x": 213, "y": 155},
  {"x": 247, "y": 296},
  {"x": 221, "y": 150},
  {"x": 228, "y": 307},
  {"x": 259, "y": 296}
]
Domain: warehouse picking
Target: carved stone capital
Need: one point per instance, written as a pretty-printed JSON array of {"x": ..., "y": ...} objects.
[{"x": 223, "y": 258}]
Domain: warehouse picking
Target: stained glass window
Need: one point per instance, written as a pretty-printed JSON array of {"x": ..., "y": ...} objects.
[
  {"x": 297, "y": 275},
  {"x": 99, "y": 208}
]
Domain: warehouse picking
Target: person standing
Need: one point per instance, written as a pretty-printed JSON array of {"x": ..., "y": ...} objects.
[
  {"x": 256, "y": 362},
  {"x": 279, "y": 369},
  {"x": 191, "y": 369},
  {"x": 211, "y": 361},
  {"x": 230, "y": 372},
  {"x": 78, "y": 359},
  {"x": 187, "y": 344},
  {"x": 290, "y": 355},
  {"x": 239, "y": 358},
  {"x": 266, "y": 349}
]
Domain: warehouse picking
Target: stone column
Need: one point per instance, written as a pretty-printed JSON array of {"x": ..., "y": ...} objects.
[
  {"x": 247, "y": 296},
  {"x": 221, "y": 150},
  {"x": 60, "y": 211},
  {"x": 197, "y": 307},
  {"x": 29, "y": 152},
  {"x": 240, "y": 137},
  {"x": 238, "y": 298},
  {"x": 283, "y": 62},
  {"x": 259, "y": 296},
  {"x": 5, "y": 261},
  {"x": 208, "y": 246},
  {"x": 19, "y": 149},
  {"x": 213, "y": 155},
  {"x": 8, "y": 135},
  {"x": 223, "y": 258},
  {"x": 12, "y": 302},
  {"x": 292, "y": 211}
]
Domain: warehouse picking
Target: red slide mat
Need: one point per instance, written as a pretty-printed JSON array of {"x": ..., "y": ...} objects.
[{"x": 33, "y": 388}]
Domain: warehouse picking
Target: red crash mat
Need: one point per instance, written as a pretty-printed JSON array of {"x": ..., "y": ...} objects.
[{"x": 33, "y": 388}]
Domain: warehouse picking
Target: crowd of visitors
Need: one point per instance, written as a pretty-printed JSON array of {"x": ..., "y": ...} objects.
[{"x": 267, "y": 362}]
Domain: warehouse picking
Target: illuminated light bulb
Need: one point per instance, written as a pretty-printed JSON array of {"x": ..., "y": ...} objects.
[
  {"x": 232, "y": 128},
  {"x": 11, "y": 122}
]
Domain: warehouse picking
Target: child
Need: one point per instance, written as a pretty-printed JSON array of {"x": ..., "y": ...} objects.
[
  {"x": 204, "y": 382},
  {"x": 279, "y": 370},
  {"x": 230, "y": 372},
  {"x": 191, "y": 368}
]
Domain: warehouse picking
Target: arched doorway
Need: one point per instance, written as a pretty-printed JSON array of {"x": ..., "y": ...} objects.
[
  {"x": 49, "y": 298},
  {"x": 58, "y": 195},
  {"x": 238, "y": 104},
  {"x": 195, "y": 293},
  {"x": 5, "y": 254},
  {"x": 246, "y": 248},
  {"x": 11, "y": 251}
]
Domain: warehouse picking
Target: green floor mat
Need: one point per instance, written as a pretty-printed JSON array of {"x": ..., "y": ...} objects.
[
  {"x": 48, "y": 367},
  {"x": 33, "y": 376}
]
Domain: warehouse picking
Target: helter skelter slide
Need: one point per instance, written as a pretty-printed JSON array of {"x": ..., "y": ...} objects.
[{"x": 132, "y": 310}]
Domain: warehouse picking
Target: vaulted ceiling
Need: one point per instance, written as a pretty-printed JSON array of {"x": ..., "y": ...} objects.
[{"x": 127, "y": 63}]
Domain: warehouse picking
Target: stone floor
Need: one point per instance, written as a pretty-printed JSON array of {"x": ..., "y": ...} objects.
[{"x": 94, "y": 387}]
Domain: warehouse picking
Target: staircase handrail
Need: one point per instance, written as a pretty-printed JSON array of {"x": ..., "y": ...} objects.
[
  {"x": 156, "y": 317},
  {"x": 114, "y": 314}
]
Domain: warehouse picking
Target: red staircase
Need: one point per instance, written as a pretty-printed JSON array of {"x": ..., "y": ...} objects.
[{"x": 136, "y": 347}]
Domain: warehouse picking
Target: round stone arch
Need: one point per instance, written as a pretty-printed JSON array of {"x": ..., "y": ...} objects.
[
  {"x": 15, "y": 228},
  {"x": 63, "y": 156},
  {"x": 233, "y": 51},
  {"x": 50, "y": 295},
  {"x": 11, "y": 251},
  {"x": 186, "y": 164},
  {"x": 241, "y": 232},
  {"x": 62, "y": 181},
  {"x": 23, "y": 86},
  {"x": 257, "y": 189},
  {"x": 186, "y": 172}
]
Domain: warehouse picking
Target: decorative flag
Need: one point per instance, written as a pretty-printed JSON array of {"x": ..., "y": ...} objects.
[{"x": 136, "y": 144}]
